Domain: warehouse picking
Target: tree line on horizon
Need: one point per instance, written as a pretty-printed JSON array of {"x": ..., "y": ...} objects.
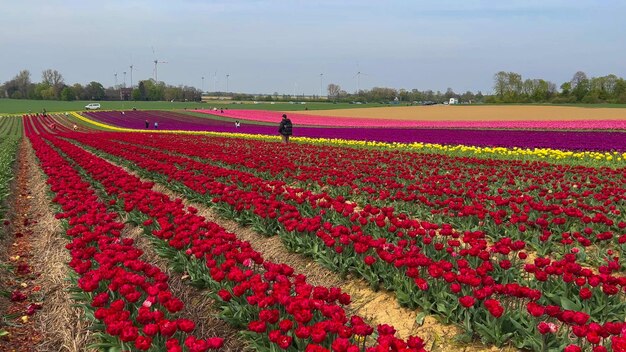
[
  {"x": 53, "y": 87},
  {"x": 508, "y": 87}
]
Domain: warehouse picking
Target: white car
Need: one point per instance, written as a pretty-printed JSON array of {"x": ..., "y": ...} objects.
[{"x": 92, "y": 106}]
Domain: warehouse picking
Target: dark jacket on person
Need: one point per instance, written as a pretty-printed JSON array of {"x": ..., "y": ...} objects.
[{"x": 285, "y": 128}]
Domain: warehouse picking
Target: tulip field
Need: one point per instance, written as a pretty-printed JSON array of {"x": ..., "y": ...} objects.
[
  {"x": 515, "y": 237},
  {"x": 601, "y": 139}
]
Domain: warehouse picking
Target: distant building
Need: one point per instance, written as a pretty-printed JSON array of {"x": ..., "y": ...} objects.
[
  {"x": 126, "y": 93},
  {"x": 453, "y": 101}
]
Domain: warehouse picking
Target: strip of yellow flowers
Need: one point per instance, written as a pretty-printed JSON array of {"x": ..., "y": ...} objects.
[{"x": 614, "y": 159}]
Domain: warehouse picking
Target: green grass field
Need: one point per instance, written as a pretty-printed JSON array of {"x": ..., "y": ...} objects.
[
  {"x": 16, "y": 106},
  {"x": 19, "y": 106}
]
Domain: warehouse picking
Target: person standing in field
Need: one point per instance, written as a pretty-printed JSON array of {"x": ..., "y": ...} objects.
[
  {"x": 285, "y": 128},
  {"x": 156, "y": 125},
  {"x": 147, "y": 124}
]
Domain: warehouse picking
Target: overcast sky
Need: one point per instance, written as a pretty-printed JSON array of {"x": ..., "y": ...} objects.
[{"x": 268, "y": 46}]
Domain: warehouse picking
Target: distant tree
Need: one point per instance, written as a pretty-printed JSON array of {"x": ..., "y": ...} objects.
[
  {"x": 380, "y": 94},
  {"x": 79, "y": 91},
  {"x": 10, "y": 89},
  {"x": 404, "y": 95},
  {"x": 508, "y": 86},
  {"x": 468, "y": 97},
  {"x": 449, "y": 94},
  {"x": 24, "y": 84},
  {"x": 19, "y": 87},
  {"x": 552, "y": 91},
  {"x": 136, "y": 94},
  {"x": 610, "y": 84},
  {"x": 500, "y": 83},
  {"x": 173, "y": 93},
  {"x": 44, "y": 91},
  {"x": 515, "y": 86},
  {"x": 94, "y": 91},
  {"x": 53, "y": 79},
  {"x": 416, "y": 95},
  {"x": 620, "y": 91},
  {"x": 603, "y": 87},
  {"x": 566, "y": 89},
  {"x": 155, "y": 90},
  {"x": 141, "y": 88},
  {"x": 67, "y": 94},
  {"x": 333, "y": 90},
  {"x": 580, "y": 85},
  {"x": 579, "y": 78}
]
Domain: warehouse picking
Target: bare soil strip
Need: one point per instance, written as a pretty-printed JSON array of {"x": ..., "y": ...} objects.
[{"x": 477, "y": 113}]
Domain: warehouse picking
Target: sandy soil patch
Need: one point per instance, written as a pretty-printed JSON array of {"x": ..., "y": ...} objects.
[{"x": 477, "y": 113}]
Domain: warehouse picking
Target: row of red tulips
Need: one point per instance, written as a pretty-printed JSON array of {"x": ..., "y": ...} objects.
[
  {"x": 553, "y": 206},
  {"x": 278, "y": 306},
  {"x": 370, "y": 217},
  {"x": 130, "y": 297},
  {"x": 446, "y": 279},
  {"x": 379, "y": 219}
]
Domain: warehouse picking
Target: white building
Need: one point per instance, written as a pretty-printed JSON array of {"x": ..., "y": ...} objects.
[{"x": 453, "y": 101}]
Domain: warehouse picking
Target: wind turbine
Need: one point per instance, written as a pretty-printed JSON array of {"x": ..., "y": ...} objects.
[
  {"x": 156, "y": 62},
  {"x": 131, "y": 75},
  {"x": 131, "y": 70},
  {"x": 358, "y": 79}
]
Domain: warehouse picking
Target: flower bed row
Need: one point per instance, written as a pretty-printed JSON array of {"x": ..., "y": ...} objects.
[
  {"x": 278, "y": 306},
  {"x": 127, "y": 296},
  {"x": 565, "y": 140},
  {"x": 467, "y": 273},
  {"x": 317, "y": 120},
  {"x": 555, "y": 208},
  {"x": 583, "y": 157}
]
